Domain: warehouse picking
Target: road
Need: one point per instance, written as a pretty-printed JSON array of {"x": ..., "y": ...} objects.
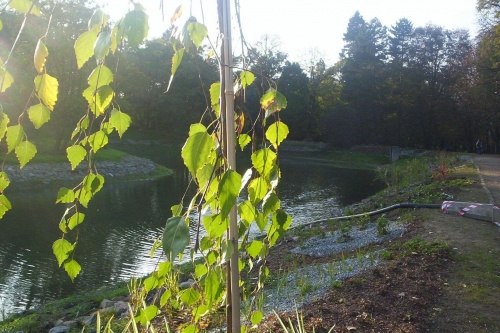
[{"x": 489, "y": 170}]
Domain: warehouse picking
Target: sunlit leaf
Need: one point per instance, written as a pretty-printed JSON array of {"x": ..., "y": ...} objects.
[
  {"x": 102, "y": 45},
  {"x": 175, "y": 237},
  {"x": 6, "y": 79},
  {"x": 100, "y": 76},
  {"x": 103, "y": 98},
  {"x": 150, "y": 283},
  {"x": 281, "y": 219},
  {"x": 72, "y": 268},
  {"x": 41, "y": 53},
  {"x": 84, "y": 47},
  {"x": 47, "y": 88},
  {"x": 215, "y": 225},
  {"x": 198, "y": 32},
  {"x": 177, "y": 14},
  {"x": 1, "y": 25},
  {"x": 136, "y": 27},
  {"x": 257, "y": 190},
  {"x": 214, "y": 96},
  {"x": 62, "y": 248},
  {"x": 15, "y": 135},
  {"x": 98, "y": 140},
  {"x": 200, "y": 312},
  {"x": 229, "y": 188},
  {"x": 164, "y": 298},
  {"x": 164, "y": 268},
  {"x": 176, "y": 61},
  {"x": 3, "y": 125},
  {"x": 197, "y": 151},
  {"x": 25, "y": 151},
  {"x": 213, "y": 287},
  {"x": 4, "y": 181},
  {"x": 247, "y": 212},
  {"x": 254, "y": 248},
  {"x": 276, "y": 133},
  {"x": 97, "y": 20},
  {"x": 65, "y": 195},
  {"x": 5, "y": 205},
  {"x": 120, "y": 121},
  {"x": 200, "y": 270},
  {"x": 272, "y": 101},
  {"x": 256, "y": 318},
  {"x": 190, "y": 296},
  {"x": 264, "y": 160},
  {"x": 117, "y": 35},
  {"x": 75, "y": 220},
  {"x": 75, "y": 154},
  {"x": 190, "y": 329},
  {"x": 39, "y": 114},
  {"x": 227, "y": 249},
  {"x": 246, "y": 78},
  {"x": 271, "y": 203},
  {"x": 244, "y": 140},
  {"x": 24, "y": 6},
  {"x": 83, "y": 196}
]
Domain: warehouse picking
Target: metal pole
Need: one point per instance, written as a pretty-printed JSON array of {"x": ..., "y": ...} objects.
[{"x": 230, "y": 141}]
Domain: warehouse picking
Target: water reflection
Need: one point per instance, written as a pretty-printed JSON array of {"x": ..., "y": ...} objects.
[{"x": 124, "y": 220}]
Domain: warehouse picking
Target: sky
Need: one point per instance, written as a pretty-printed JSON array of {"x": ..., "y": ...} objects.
[{"x": 312, "y": 26}]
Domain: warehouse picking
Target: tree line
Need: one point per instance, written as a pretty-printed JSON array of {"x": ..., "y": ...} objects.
[{"x": 420, "y": 87}]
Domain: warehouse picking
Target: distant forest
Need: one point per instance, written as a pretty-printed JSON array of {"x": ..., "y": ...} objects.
[{"x": 419, "y": 87}]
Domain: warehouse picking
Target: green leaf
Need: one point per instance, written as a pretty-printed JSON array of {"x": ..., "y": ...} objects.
[
  {"x": 206, "y": 244},
  {"x": 197, "y": 128},
  {"x": 6, "y": 78},
  {"x": 136, "y": 27},
  {"x": 213, "y": 287},
  {"x": 103, "y": 97},
  {"x": 198, "y": 32},
  {"x": 97, "y": 20},
  {"x": 3, "y": 125},
  {"x": 62, "y": 248},
  {"x": 23, "y": 6},
  {"x": 100, "y": 76},
  {"x": 264, "y": 160},
  {"x": 164, "y": 298},
  {"x": 271, "y": 203},
  {"x": 164, "y": 268},
  {"x": 4, "y": 181},
  {"x": 229, "y": 188},
  {"x": 190, "y": 296},
  {"x": 200, "y": 312},
  {"x": 5, "y": 205},
  {"x": 47, "y": 88},
  {"x": 281, "y": 220},
  {"x": 244, "y": 140},
  {"x": 150, "y": 283},
  {"x": 72, "y": 268},
  {"x": 257, "y": 190},
  {"x": 117, "y": 35},
  {"x": 25, "y": 151},
  {"x": 272, "y": 101},
  {"x": 176, "y": 61},
  {"x": 227, "y": 249},
  {"x": 102, "y": 45},
  {"x": 197, "y": 151},
  {"x": 215, "y": 225},
  {"x": 190, "y": 329},
  {"x": 146, "y": 315},
  {"x": 247, "y": 212},
  {"x": 15, "y": 135},
  {"x": 276, "y": 133},
  {"x": 75, "y": 220},
  {"x": 256, "y": 318},
  {"x": 175, "y": 237},
  {"x": 176, "y": 210},
  {"x": 254, "y": 248},
  {"x": 261, "y": 221},
  {"x": 84, "y": 47},
  {"x": 83, "y": 196},
  {"x": 246, "y": 78},
  {"x": 75, "y": 154},
  {"x": 41, "y": 53},
  {"x": 65, "y": 195},
  {"x": 120, "y": 121},
  {"x": 214, "y": 95},
  {"x": 98, "y": 140},
  {"x": 200, "y": 270},
  {"x": 39, "y": 114}
]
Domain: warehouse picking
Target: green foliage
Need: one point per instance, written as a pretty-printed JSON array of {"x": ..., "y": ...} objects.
[
  {"x": 345, "y": 229},
  {"x": 382, "y": 225}
]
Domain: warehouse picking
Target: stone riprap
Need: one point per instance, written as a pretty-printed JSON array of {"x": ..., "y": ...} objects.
[{"x": 50, "y": 172}]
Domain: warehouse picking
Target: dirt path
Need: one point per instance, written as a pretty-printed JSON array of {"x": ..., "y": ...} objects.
[{"x": 470, "y": 299}]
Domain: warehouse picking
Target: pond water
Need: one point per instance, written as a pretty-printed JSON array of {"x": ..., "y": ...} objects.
[{"x": 125, "y": 219}]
